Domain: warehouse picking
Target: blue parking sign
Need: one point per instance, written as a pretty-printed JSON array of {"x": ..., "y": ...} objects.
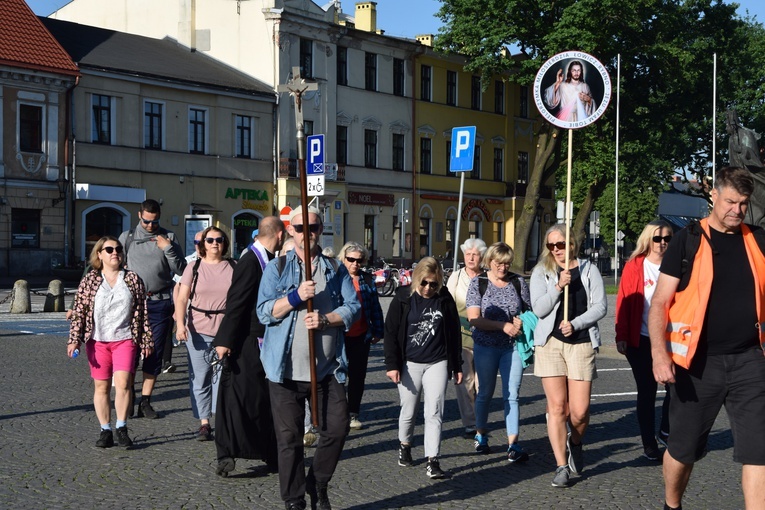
[
  {"x": 463, "y": 148},
  {"x": 315, "y": 144}
]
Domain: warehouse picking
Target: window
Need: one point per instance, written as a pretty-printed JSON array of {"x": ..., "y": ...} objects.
[
  {"x": 342, "y": 145},
  {"x": 152, "y": 125},
  {"x": 30, "y": 128},
  {"x": 475, "y": 93},
  {"x": 370, "y": 148},
  {"x": 499, "y": 97},
  {"x": 425, "y": 83},
  {"x": 476, "y": 172},
  {"x": 498, "y": 164},
  {"x": 451, "y": 88},
  {"x": 523, "y": 166},
  {"x": 25, "y": 228},
  {"x": 306, "y": 58},
  {"x": 308, "y": 127},
  {"x": 426, "y": 165},
  {"x": 243, "y": 137},
  {"x": 449, "y": 159},
  {"x": 197, "y": 131},
  {"x": 369, "y": 236},
  {"x": 102, "y": 222},
  {"x": 370, "y": 71},
  {"x": 102, "y": 119},
  {"x": 524, "y": 105},
  {"x": 474, "y": 228},
  {"x": 451, "y": 228},
  {"x": 342, "y": 65},
  {"x": 398, "y": 151},
  {"x": 424, "y": 237},
  {"x": 398, "y": 77}
]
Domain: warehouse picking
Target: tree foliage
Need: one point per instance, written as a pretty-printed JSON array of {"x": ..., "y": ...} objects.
[{"x": 666, "y": 50}]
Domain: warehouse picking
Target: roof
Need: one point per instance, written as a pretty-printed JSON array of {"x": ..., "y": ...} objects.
[
  {"x": 161, "y": 59},
  {"x": 25, "y": 42}
]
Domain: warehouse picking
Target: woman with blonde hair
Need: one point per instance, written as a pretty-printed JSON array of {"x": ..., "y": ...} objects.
[
  {"x": 565, "y": 344},
  {"x": 422, "y": 352},
  {"x": 636, "y": 288},
  {"x": 494, "y": 305},
  {"x": 109, "y": 315},
  {"x": 364, "y": 332}
]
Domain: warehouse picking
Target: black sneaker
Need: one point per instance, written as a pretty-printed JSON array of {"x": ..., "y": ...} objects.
[
  {"x": 404, "y": 455},
  {"x": 516, "y": 454},
  {"x": 575, "y": 457},
  {"x": 146, "y": 411},
  {"x": 205, "y": 433},
  {"x": 662, "y": 437},
  {"x": 322, "y": 498},
  {"x": 433, "y": 469},
  {"x": 652, "y": 453},
  {"x": 123, "y": 439},
  {"x": 168, "y": 368},
  {"x": 105, "y": 440}
]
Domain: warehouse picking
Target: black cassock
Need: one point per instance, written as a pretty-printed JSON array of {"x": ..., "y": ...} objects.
[{"x": 244, "y": 427}]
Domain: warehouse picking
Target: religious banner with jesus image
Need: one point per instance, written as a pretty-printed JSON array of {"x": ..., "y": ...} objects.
[{"x": 572, "y": 89}]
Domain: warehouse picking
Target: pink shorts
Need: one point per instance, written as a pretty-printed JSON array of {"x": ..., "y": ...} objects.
[{"x": 105, "y": 358}]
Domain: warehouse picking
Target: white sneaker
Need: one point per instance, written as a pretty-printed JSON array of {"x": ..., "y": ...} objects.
[{"x": 355, "y": 423}]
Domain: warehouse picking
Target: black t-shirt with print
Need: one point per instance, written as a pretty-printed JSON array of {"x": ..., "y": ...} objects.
[{"x": 425, "y": 339}]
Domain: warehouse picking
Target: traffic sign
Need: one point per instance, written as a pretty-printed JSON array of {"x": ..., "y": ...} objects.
[
  {"x": 315, "y": 185},
  {"x": 284, "y": 215},
  {"x": 315, "y": 166},
  {"x": 463, "y": 148}
]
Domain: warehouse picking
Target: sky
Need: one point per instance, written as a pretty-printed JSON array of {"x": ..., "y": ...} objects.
[{"x": 419, "y": 18}]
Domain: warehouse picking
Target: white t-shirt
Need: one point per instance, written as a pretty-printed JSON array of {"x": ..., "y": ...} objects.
[{"x": 650, "y": 277}]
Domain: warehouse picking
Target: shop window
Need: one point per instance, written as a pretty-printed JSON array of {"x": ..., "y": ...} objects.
[
  {"x": 25, "y": 228},
  {"x": 104, "y": 221},
  {"x": 244, "y": 224}
]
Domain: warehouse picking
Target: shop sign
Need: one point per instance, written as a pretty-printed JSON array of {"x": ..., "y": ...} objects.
[
  {"x": 473, "y": 204},
  {"x": 355, "y": 197}
]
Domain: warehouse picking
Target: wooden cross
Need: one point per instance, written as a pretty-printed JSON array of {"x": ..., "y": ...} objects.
[{"x": 297, "y": 86}]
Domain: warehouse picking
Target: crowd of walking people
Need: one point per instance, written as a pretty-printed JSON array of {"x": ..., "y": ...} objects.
[{"x": 278, "y": 342}]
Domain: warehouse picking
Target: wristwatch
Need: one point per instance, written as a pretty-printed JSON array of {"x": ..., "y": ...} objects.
[{"x": 323, "y": 322}]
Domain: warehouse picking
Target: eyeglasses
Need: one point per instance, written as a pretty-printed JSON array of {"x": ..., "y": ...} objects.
[
  {"x": 560, "y": 245},
  {"x": 658, "y": 239},
  {"x": 150, "y": 222},
  {"x": 112, "y": 249},
  {"x": 432, "y": 285},
  {"x": 197, "y": 242},
  {"x": 314, "y": 227},
  {"x": 210, "y": 240},
  {"x": 353, "y": 259}
]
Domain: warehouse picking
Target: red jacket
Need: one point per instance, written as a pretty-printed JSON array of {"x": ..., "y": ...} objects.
[{"x": 629, "y": 303}]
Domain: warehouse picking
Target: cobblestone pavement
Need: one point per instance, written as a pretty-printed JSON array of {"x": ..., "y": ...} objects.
[{"x": 48, "y": 458}]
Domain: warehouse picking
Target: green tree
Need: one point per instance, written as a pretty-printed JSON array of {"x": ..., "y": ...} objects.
[{"x": 666, "y": 50}]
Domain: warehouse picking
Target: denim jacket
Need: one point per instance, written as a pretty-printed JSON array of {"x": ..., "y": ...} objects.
[{"x": 277, "y": 342}]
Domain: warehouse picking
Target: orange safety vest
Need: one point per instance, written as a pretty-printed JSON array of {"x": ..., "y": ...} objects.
[{"x": 689, "y": 306}]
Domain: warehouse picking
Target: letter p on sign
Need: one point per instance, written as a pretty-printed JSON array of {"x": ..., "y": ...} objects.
[{"x": 463, "y": 149}]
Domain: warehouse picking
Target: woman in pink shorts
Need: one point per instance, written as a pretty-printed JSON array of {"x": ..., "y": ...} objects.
[{"x": 109, "y": 315}]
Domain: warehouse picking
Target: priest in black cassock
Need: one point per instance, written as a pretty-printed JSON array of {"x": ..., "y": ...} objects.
[{"x": 244, "y": 427}]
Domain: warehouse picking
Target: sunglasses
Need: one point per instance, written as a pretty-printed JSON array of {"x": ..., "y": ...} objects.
[
  {"x": 150, "y": 222},
  {"x": 352, "y": 260},
  {"x": 112, "y": 249},
  {"x": 210, "y": 240},
  {"x": 560, "y": 245},
  {"x": 432, "y": 285},
  {"x": 313, "y": 226},
  {"x": 197, "y": 243},
  {"x": 658, "y": 239}
]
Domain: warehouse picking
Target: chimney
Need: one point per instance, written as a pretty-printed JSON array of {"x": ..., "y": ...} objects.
[
  {"x": 366, "y": 16},
  {"x": 425, "y": 40}
]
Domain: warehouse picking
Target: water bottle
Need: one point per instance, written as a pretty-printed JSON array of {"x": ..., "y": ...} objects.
[{"x": 75, "y": 353}]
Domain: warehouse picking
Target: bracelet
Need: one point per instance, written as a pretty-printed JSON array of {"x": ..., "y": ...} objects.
[
  {"x": 294, "y": 299},
  {"x": 323, "y": 322}
]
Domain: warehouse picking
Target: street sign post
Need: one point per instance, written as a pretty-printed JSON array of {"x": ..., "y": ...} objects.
[
  {"x": 461, "y": 160},
  {"x": 315, "y": 168}
]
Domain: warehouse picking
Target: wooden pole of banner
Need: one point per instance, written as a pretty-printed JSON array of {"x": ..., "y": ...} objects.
[
  {"x": 568, "y": 218},
  {"x": 297, "y": 87}
]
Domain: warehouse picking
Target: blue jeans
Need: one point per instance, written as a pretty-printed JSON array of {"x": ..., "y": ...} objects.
[
  {"x": 488, "y": 361},
  {"x": 203, "y": 387}
]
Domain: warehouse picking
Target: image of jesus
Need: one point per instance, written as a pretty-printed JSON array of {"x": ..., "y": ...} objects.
[{"x": 572, "y": 96}]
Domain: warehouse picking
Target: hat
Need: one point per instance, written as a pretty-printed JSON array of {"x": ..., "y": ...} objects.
[
  {"x": 298, "y": 211},
  {"x": 254, "y": 233}
]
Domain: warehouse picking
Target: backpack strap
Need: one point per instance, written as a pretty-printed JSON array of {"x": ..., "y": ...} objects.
[
  {"x": 128, "y": 242},
  {"x": 483, "y": 284},
  {"x": 194, "y": 278}
]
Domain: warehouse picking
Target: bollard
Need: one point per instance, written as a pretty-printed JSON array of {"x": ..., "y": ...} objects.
[
  {"x": 20, "y": 302},
  {"x": 54, "y": 300}
]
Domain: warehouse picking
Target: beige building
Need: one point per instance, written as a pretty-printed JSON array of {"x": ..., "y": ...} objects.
[
  {"x": 154, "y": 120},
  {"x": 36, "y": 77}
]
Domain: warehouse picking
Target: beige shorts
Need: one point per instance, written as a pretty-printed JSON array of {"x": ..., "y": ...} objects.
[{"x": 556, "y": 358}]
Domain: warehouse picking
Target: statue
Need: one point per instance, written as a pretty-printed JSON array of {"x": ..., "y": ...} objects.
[{"x": 744, "y": 151}]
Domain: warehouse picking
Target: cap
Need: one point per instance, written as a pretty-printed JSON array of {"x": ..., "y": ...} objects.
[{"x": 298, "y": 211}]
